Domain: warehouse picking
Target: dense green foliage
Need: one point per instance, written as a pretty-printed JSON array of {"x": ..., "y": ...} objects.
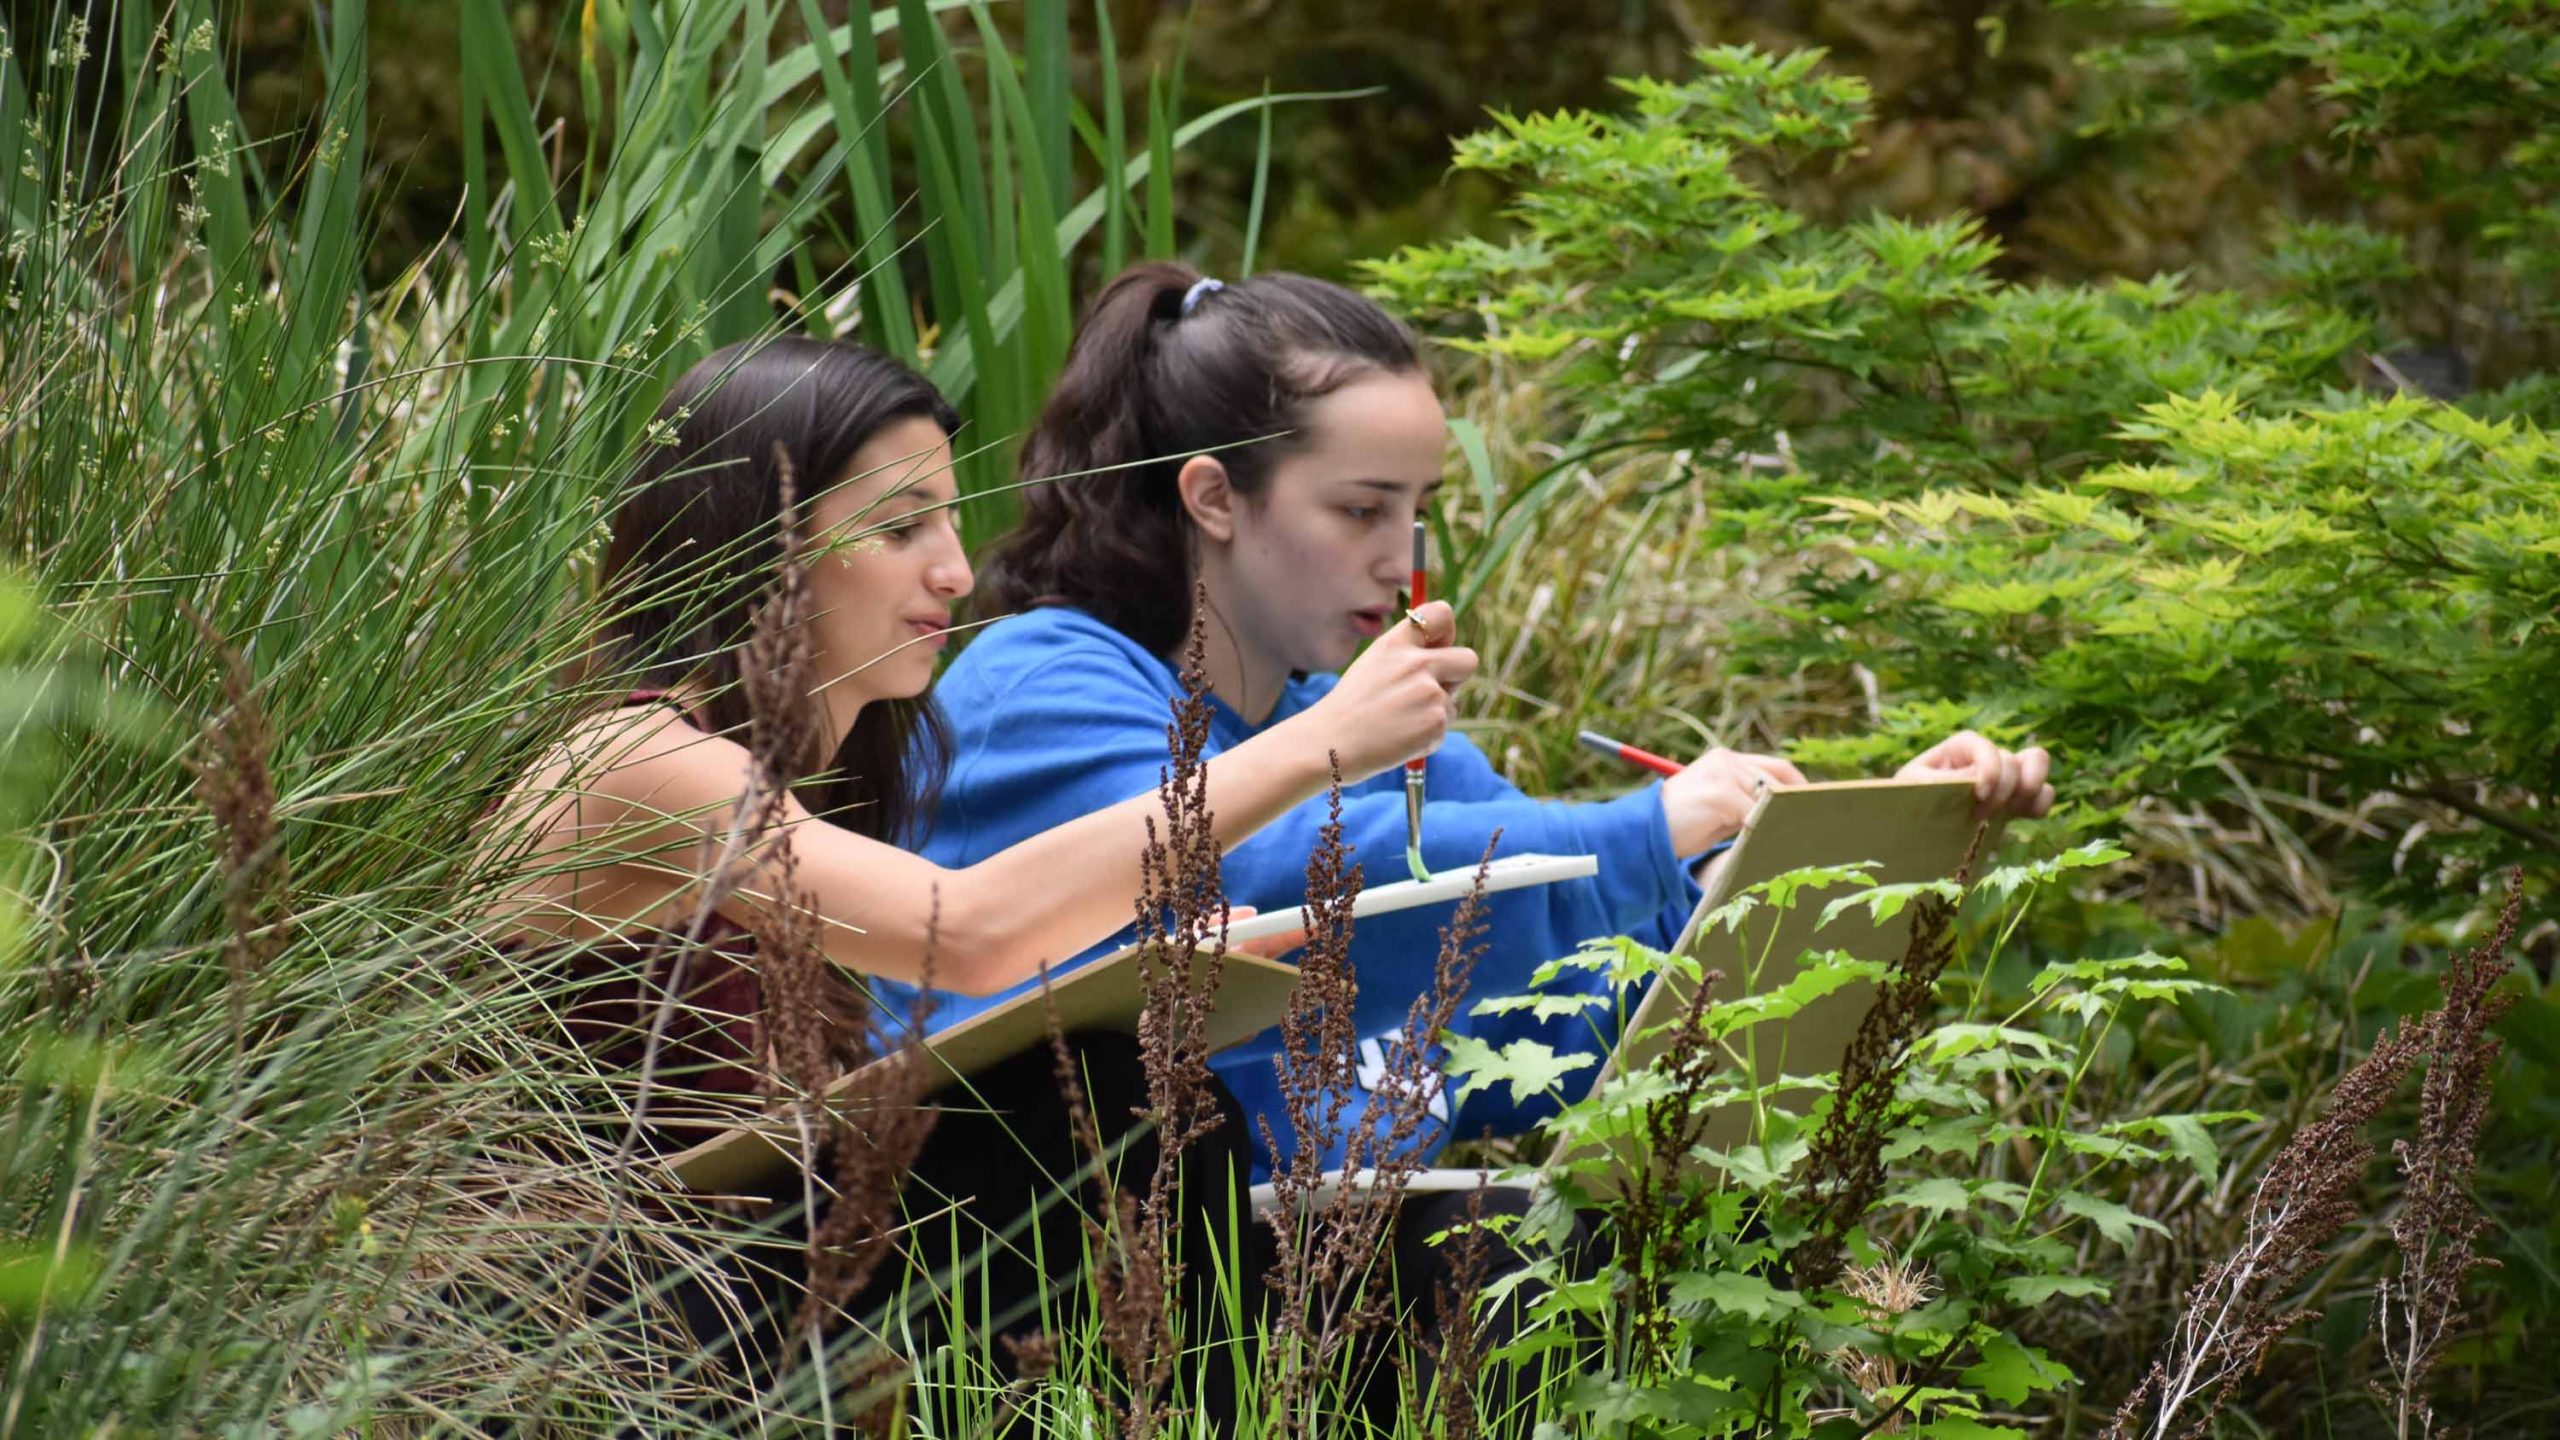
[
  {"x": 1995, "y": 1203},
  {"x": 2140, "y": 518},
  {"x": 2435, "y": 124},
  {"x": 1745, "y": 456},
  {"x": 1759, "y": 473},
  {"x": 286, "y": 1147}
]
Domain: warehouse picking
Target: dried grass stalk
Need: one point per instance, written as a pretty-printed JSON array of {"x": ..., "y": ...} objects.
[
  {"x": 1327, "y": 1270},
  {"x": 2243, "y": 1303},
  {"x": 236, "y": 782},
  {"x": 815, "y": 1029},
  {"x": 1844, "y": 1172},
  {"x": 1661, "y": 1201},
  {"x": 1182, "y": 948},
  {"x": 2439, "y": 1225}
]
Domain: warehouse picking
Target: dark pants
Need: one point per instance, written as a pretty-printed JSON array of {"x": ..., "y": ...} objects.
[
  {"x": 998, "y": 1201},
  {"x": 997, "y": 1204}
]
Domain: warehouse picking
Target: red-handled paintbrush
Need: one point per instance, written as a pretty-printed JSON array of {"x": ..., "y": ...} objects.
[
  {"x": 1413, "y": 768},
  {"x": 1619, "y": 749}
]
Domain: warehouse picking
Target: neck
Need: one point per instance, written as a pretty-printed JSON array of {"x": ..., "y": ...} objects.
[
  {"x": 1240, "y": 673},
  {"x": 841, "y": 708}
]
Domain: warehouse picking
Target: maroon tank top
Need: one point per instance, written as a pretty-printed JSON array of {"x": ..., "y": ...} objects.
[{"x": 714, "y": 1046}]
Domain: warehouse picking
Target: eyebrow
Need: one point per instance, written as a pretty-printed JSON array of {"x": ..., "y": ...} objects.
[
  {"x": 915, "y": 496},
  {"x": 1396, "y": 487}
]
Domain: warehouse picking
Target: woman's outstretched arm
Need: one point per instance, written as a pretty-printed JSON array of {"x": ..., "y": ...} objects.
[{"x": 1050, "y": 897}]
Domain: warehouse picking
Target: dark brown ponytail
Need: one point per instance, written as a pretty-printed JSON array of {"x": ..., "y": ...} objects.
[{"x": 1166, "y": 366}]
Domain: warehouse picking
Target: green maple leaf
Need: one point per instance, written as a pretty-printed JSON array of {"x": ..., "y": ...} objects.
[{"x": 1529, "y": 1066}]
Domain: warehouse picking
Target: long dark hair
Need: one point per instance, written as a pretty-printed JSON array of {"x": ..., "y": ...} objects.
[
  {"x": 1146, "y": 386},
  {"x": 695, "y": 537}
]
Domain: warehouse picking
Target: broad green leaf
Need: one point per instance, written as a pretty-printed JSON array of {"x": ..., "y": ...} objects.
[
  {"x": 1781, "y": 890},
  {"x": 2113, "y": 1220},
  {"x": 2036, "y": 1289},
  {"x": 1965, "y": 1427},
  {"x": 1529, "y": 1067},
  {"x": 1824, "y": 973},
  {"x": 1939, "y": 1195},
  {"x": 1736, "y": 1292},
  {"x": 1950, "y": 1041},
  {"x": 1886, "y": 901},
  {"x": 2009, "y": 1372},
  {"x": 1541, "y": 1007}
]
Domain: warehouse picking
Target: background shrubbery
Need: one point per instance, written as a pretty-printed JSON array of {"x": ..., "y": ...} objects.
[{"x": 2163, "y": 385}]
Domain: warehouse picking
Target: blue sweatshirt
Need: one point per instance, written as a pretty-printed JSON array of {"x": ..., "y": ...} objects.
[{"x": 1054, "y": 714}]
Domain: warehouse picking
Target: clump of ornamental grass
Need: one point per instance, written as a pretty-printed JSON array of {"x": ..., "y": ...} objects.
[
  {"x": 1844, "y": 1172},
  {"x": 235, "y": 781},
  {"x": 1326, "y": 1265},
  {"x": 2438, "y": 1229}
]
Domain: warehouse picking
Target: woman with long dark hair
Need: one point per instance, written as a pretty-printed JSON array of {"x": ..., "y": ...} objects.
[
  {"x": 1268, "y": 443},
  {"x": 620, "y": 812}
]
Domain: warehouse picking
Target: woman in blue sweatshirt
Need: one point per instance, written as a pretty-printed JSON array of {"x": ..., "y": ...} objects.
[{"x": 1270, "y": 442}]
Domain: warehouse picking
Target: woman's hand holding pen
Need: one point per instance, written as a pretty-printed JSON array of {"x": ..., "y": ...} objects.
[
  {"x": 1707, "y": 802},
  {"x": 1392, "y": 704}
]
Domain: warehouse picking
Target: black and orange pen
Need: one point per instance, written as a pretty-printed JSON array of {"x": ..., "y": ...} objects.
[{"x": 1413, "y": 768}]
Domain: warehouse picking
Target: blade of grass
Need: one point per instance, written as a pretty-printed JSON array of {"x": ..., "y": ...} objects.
[
  {"x": 1112, "y": 153},
  {"x": 1159, "y": 172},
  {"x": 1047, "y": 61},
  {"x": 489, "y": 56},
  {"x": 1042, "y": 263},
  {"x": 942, "y": 98},
  {"x": 1261, "y": 183},
  {"x": 324, "y": 267},
  {"x": 853, "y": 87},
  {"x": 953, "y": 365},
  {"x": 21, "y": 182},
  {"x": 219, "y": 177}
]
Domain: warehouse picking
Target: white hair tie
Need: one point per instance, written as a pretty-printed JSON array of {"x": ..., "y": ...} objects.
[{"x": 1191, "y": 297}]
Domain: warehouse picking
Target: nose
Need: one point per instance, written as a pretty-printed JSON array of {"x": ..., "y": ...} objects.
[
  {"x": 1393, "y": 566},
  {"x": 949, "y": 575}
]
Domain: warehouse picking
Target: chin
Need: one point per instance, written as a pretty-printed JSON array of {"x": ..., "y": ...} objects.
[{"x": 1336, "y": 658}]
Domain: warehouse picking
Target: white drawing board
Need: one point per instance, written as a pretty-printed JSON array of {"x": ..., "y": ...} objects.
[{"x": 1105, "y": 994}]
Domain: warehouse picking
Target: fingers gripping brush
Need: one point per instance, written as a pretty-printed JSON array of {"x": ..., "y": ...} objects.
[{"x": 1413, "y": 768}]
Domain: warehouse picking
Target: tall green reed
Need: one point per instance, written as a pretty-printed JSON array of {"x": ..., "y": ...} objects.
[{"x": 349, "y": 1204}]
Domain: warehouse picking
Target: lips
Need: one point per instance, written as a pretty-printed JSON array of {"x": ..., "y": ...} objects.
[
  {"x": 934, "y": 630},
  {"x": 1369, "y": 623}
]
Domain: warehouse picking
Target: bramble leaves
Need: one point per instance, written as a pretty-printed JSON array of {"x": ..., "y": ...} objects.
[
  {"x": 1529, "y": 1067},
  {"x": 2137, "y": 514},
  {"x": 1987, "y": 1162}
]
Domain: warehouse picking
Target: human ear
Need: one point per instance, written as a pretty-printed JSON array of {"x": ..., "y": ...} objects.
[{"x": 1208, "y": 498}]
